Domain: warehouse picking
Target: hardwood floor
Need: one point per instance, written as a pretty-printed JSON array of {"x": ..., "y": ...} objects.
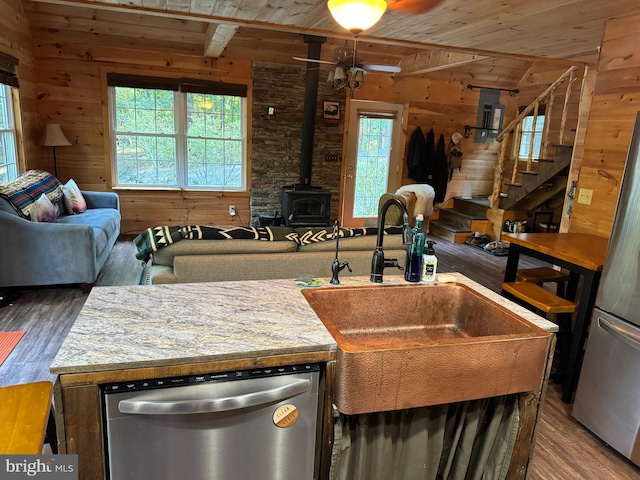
[
  {"x": 564, "y": 450},
  {"x": 47, "y": 314}
]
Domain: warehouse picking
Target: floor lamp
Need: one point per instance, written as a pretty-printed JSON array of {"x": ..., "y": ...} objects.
[{"x": 53, "y": 137}]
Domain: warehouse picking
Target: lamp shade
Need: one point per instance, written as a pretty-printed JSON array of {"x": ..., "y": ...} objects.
[
  {"x": 357, "y": 15},
  {"x": 330, "y": 77},
  {"x": 358, "y": 77},
  {"x": 53, "y": 136}
]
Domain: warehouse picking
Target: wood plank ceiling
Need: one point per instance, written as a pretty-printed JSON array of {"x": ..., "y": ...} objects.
[{"x": 482, "y": 40}]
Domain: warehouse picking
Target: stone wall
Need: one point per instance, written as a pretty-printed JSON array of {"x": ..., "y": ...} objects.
[{"x": 277, "y": 138}]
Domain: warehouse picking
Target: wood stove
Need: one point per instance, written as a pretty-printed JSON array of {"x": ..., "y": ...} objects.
[
  {"x": 302, "y": 204},
  {"x": 305, "y": 207}
]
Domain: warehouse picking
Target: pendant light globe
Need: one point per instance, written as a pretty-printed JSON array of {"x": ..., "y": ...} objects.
[{"x": 357, "y": 15}]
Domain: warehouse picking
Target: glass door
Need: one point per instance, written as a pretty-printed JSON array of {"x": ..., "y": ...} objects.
[{"x": 374, "y": 153}]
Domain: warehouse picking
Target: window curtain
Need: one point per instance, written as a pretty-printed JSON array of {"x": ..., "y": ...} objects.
[
  {"x": 463, "y": 441},
  {"x": 176, "y": 84},
  {"x": 8, "y": 66}
]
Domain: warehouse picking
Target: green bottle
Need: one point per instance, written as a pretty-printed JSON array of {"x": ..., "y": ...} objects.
[{"x": 415, "y": 251}]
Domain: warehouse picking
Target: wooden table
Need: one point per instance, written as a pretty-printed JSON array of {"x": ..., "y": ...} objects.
[
  {"x": 583, "y": 256},
  {"x": 24, "y": 411}
]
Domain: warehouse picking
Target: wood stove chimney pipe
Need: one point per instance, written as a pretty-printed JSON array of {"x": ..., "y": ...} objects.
[{"x": 309, "y": 114}]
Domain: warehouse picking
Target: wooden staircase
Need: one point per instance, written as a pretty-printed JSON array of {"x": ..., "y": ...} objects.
[
  {"x": 519, "y": 194},
  {"x": 540, "y": 178},
  {"x": 466, "y": 216},
  {"x": 541, "y": 181},
  {"x": 531, "y": 178}
]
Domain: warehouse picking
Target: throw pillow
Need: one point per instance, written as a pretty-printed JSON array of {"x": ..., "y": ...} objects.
[
  {"x": 59, "y": 206},
  {"x": 43, "y": 210},
  {"x": 73, "y": 199},
  {"x": 27, "y": 188}
]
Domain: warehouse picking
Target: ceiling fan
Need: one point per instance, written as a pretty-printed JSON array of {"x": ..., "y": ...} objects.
[
  {"x": 356, "y": 16},
  {"x": 347, "y": 57},
  {"x": 347, "y": 69},
  {"x": 413, "y": 6}
]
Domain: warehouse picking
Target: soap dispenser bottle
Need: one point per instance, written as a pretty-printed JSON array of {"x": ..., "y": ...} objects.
[
  {"x": 415, "y": 252},
  {"x": 430, "y": 263}
]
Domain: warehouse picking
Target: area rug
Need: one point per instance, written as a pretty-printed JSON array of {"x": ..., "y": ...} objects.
[{"x": 8, "y": 340}]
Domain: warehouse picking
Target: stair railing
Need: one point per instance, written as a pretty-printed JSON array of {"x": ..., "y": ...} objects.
[{"x": 514, "y": 130}]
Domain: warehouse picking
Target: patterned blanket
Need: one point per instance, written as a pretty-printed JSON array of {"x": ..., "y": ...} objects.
[
  {"x": 28, "y": 187},
  {"x": 153, "y": 239}
]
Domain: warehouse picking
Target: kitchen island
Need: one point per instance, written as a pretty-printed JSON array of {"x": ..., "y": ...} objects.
[{"x": 145, "y": 332}]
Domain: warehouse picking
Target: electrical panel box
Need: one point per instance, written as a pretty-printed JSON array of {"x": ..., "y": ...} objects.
[{"x": 490, "y": 116}]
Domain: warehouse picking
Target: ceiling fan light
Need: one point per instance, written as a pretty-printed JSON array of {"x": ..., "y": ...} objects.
[
  {"x": 358, "y": 78},
  {"x": 357, "y": 15}
]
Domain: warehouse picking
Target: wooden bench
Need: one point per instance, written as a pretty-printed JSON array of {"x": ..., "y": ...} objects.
[
  {"x": 544, "y": 303},
  {"x": 542, "y": 275},
  {"x": 24, "y": 411},
  {"x": 538, "y": 297}
]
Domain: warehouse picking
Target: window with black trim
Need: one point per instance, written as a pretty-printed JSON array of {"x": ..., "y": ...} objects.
[
  {"x": 178, "y": 133},
  {"x": 8, "y": 134}
]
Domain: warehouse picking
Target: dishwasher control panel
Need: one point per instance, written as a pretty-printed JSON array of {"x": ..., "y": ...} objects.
[{"x": 210, "y": 377}]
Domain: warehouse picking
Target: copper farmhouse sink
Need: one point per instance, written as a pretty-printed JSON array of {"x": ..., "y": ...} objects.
[{"x": 406, "y": 346}]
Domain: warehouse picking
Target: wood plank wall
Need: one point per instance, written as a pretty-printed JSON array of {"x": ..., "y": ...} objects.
[
  {"x": 71, "y": 72},
  {"x": 616, "y": 100},
  {"x": 588, "y": 85},
  {"x": 16, "y": 40},
  {"x": 70, "y": 66}
]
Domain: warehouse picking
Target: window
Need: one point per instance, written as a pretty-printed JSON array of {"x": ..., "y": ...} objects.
[
  {"x": 372, "y": 164},
  {"x": 8, "y": 152},
  {"x": 527, "y": 131},
  {"x": 8, "y": 134},
  {"x": 178, "y": 133}
]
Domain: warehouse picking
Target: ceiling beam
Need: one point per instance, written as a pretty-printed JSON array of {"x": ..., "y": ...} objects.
[
  {"x": 425, "y": 62},
  {"x": 217, "y": 38}
]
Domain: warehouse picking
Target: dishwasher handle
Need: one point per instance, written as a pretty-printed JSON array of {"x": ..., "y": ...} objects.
[{"x": 212, "y": 405}]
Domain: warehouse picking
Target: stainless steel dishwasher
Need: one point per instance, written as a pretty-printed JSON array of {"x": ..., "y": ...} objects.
[{"x": 251, "y": 425}]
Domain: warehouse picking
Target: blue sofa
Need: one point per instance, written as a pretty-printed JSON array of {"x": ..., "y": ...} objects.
[{"x": 71, "y": 251}]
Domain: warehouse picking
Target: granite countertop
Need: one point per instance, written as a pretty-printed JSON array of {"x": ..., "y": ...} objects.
[{"x": 159, "y": 325}]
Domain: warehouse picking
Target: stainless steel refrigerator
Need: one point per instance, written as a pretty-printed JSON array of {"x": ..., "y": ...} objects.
[{"x": 607, "y": 401}]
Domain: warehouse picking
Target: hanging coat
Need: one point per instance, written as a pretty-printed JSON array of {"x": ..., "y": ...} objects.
[
  {"x": 415, "y": 156},
  {"x": 441, "y": 171},
  {"x": 454, "y": 159},
  {"x": 428, "y": 170}
]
